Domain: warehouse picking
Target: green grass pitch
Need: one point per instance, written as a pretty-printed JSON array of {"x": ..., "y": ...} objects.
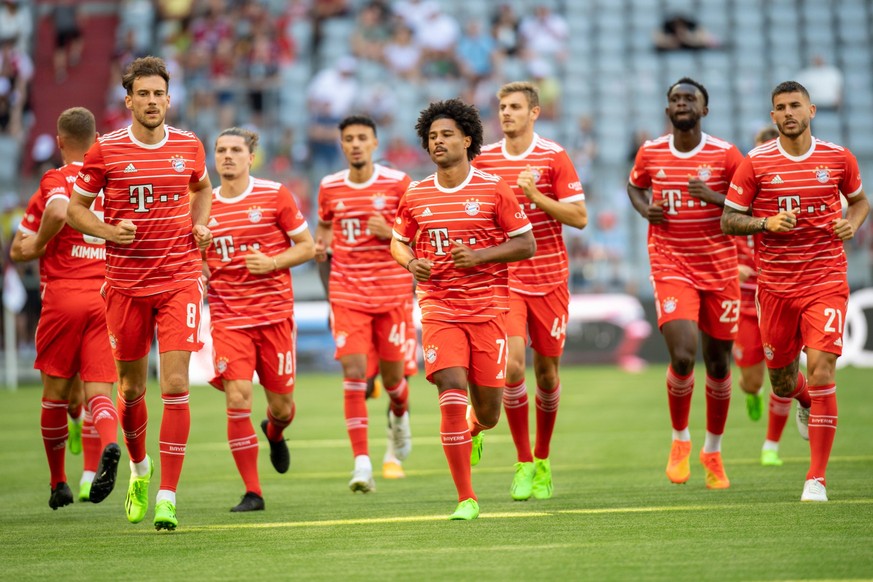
[{"x": 614, "y": 515}]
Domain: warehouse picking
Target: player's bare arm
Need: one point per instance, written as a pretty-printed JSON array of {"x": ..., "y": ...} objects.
[
  {"x": 16, "y": 252},
  {"x": 53, "y": 220},
  {"x": 698, "y": 189},
  {"x": 572, "y": 214},
  {"x": 405, "y": 256},
  {"x": 736, "y": 222},
  {"x": 80, "y": 217},
  {"x": 639, "y": 198},
  {"x": 323, "y": 238},
  {"x": 200, "y": 195},
  {"x": 301, "y": 251},
  {"x": 856, "y": 214},
  {"x": 516, "y": 248}
]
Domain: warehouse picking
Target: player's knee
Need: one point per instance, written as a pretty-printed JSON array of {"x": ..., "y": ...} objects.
[
  {"x": 281, "y": 410},
  {"x": 174, "y": 383},
  {"x": 682, "y": 362},
  {"x": 514, "y": 370}
]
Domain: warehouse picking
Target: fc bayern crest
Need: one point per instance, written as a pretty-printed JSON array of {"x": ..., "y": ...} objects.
[
  {"x": 822, "y": 174},
  {"x": 113, "y": 341},
  {"x": 471, "y": 207},
  {"x": 536, "y": 174},
  {"x": 768, "y": 351},
  {"x": 221, "y": 365},
  {"x": 704, "y": 173},
  {"x": 178, "y": 163},
  {"x": 340, "y": 339},
  {"x": 670, "y": 304},
  {"x": 379, "y": 201},
  {"x": 255, "y": 214},
  {"x": 430, "y": 354}
]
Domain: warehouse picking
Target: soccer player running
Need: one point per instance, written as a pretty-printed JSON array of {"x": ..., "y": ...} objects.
[
  {"x": 254, "y": 223},
  {"x": 678, "y": 183},
  {"x": 788, "y": 192},
  {"x": 547, "y": 187},
  {"x": 71, "y": 338},
  {"x": 370, "y": 295},
  {"x": 455, "y": 231},
  {"x": 157, "y": 201},
  {"x": 748, "y": 350}
]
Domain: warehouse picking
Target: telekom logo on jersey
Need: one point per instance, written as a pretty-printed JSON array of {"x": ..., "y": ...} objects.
[
  {"x": 789, "y": 203},
  {"x": 225, "y": 248},
  {"x": 439, "y": 239},
  {"x": 142, "y": 194}
]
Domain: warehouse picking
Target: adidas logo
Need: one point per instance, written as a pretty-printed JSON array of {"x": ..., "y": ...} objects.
[
  {"x": 839, "y": 342},
  {"x": 776, "y": 179},
  {"x": 340, "y": 206},
  {"x": 661, "y": 174},
  {"x": 735, "y": 328},
  {"x": 500, "y": 375},
  {"x": 191, "y": 338},
  {"x": 130, "y": 169},
  {"x": 212, "y": 223},
  {"x": 427, "y": 212}
]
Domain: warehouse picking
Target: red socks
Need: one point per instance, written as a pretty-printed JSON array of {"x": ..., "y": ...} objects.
[
  {"x": 53, "y": 423},
  {"x": 91, "y": 448},
  {"x": 515, "y": 403},
  {"x": 275, "y": 427},
  {"x": 399, "y": 396},
  {"x": 244, "y": 446},
  {"x": 134, "y": 417},
  {"x": 547, "y": 413},
  {"x": 679, "y": 390},
  {"x": 822, "y": 429},
  {"x": 105, "y": 419},
  {"x": 355, "y": 404},
  {"x": 718, "y": 401},
  {"x": 455, "y": 436},
  {"x": 779, "y": 410},
  {"x": 175, "y": 426}
]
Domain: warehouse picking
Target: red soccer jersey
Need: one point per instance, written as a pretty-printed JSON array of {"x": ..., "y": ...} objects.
[
  {"x": 148, "y": 185},
  {"x": 746, "y": 256},
  {"x": 70, "y": 254},
  {"x": 689, "y": 244},
  {"x": 363, "y": 275},
  {"x": 556, "y": 178},
  {"x": 264, "y": 217},
  {"x": 481, "y": 212},
  {"x": 770, "y": 181}
]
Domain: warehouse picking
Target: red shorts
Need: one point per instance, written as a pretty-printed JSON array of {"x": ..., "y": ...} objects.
[
  {"x": 132, "y": 321},
  {"x": 542, "y": 318},
  {"x": 748, "y": 349},
  {"x": 480, "y": 348},
  {"x": 789, "y": 323},
  {"x": 268, "y": 350},
  {"x": 71, "y": 336},
  {"x": 410, "y": 346},
  {"x": 359, "y": 332},
  {"x": 715, "y": 312}
]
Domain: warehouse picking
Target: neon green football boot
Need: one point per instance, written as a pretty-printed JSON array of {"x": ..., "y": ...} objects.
[
  {"x": 467, "y": 509},
  {"x": 754, "y": 406},
  {"x": 522, "y": 483},
  {"x": 542, "y": 481},
  {"x": 165, "y": 515},
  {"x": 137, "y": 501},
  {"x": 476, "y": 453}
]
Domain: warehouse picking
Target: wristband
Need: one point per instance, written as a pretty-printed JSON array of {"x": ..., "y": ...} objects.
[
  {"x": 764, "y": 224},
  {"x": 410, "y": 262}
]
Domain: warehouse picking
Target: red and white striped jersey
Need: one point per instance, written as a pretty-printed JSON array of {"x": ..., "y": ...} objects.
[
  {"x": 69, "y": 254},
  {"x": 481, "y": 212},
  {"x": 689, "y": 245},
  {"x": 363, "y": 275},
  {"x": 264, "y": 217},
  {"x": 556, "y": 178},
  {"x": 748, "y": 288},
  {"x": 148, "y": 185},
  {"x": 770, "y": 181}
]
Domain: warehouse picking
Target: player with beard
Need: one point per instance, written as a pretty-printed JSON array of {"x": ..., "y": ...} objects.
[
  {"x": 157, "y": 201},
  {"x": 370, "y": 295},
  {"x": 787, "y": 191},
  {"x": 678, "y": 184}
]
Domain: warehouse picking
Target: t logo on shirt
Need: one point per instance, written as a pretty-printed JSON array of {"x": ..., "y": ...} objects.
[
  {"x": 439, "y": 239},
  {"x": 351, "y": 228},
  {"x": 788, "y": 203}
]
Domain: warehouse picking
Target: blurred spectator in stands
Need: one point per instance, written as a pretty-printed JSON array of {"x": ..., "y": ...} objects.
[
  {"x": 476, "y": 52},
  {"x": 322, "y": 139},
  {"x": 69, "y": 43},
  {"x": 413, "y": 13},
  {"x": 335, "y": 86},
  {"x": 824, "y": 83},
  {"x": 322, "y": 11},
  {"x": 682, "y": 32},
  {"x": 372, "y": 31},
  {"x": 262, "y": 75},
  {"x": 16, "y": 22},
  {"x": 172, "y": 16},
  {"x": 16, "y": 71},
  {"x": 583, "y": 150},
  {"x": 437, "y": 37},
  {"x": 542, "y": 74},
  {"x": 401, "y": 54},
  {"x": 137, "y": 20},
  {"x": 224, "y": 78},
  {"x": 44, "y": 154},
  {"x": 606, "y": 269},
  {"x": 544, "y": 34},
  {"x": 638, "y": 138},
  {"x": 403, "y": 155},
  {"x": 504, "y": 29},
  {"x": 379, "y": 102}
]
